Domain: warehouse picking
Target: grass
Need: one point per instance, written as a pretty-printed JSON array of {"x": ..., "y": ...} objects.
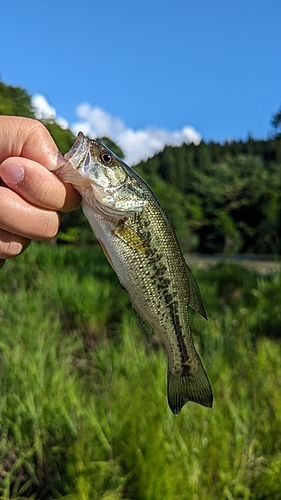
[{"x": 83, "y": 409}]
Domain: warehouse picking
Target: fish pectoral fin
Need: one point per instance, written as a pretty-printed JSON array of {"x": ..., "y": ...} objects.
[
  {"x": 144, "y": 326},
  {"x": 195, "y": 297},
  {"x": 189, "y": 384},
  {"x": 131, "y": 237}
]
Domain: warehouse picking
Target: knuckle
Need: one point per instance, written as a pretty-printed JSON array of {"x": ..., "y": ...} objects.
[
  {"x": 43, "y": 192},
  {"x": 38, "y": 131},
  {"x": 38, "y": 144},
  {"x": 49, "y": 225},
  {"x": 35, "y": 127}
]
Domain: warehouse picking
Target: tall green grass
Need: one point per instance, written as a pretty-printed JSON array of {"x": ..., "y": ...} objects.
[{"x": 83, "y": 409}]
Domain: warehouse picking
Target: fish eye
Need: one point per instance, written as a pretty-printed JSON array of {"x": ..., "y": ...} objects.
[{"x": 106, "y": 158}]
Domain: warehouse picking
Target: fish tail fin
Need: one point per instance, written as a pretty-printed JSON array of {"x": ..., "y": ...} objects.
[{"x": 189, "y": 385}]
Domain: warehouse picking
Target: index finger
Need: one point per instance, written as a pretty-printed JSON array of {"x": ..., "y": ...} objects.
[
  {"x": 30, "y": 139},
  {"x": 37, "y": 185}
]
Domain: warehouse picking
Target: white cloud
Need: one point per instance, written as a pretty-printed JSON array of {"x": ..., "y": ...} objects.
[
  {"x": 44, "y": 111},
  {"x": 63, "y": 123},
  {"x": 137, "y": 145},
  {"x": 101, "y": 123}
]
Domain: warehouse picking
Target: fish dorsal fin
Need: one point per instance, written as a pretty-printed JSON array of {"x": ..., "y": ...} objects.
[
  {"x": 195, "y": 297},
  {"x": 131, "y": 237},
  {"x": 144, "y": 326}
]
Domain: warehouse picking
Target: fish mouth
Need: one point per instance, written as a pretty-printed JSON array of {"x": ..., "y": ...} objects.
[
  {"x": 79, "y": 155},
  {"x": 78, "y": 161}
]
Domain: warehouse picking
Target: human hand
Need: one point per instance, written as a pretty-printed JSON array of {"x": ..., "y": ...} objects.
[{"x": 31, "y": 196}]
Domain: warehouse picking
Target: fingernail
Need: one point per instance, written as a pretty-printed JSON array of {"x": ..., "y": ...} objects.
[{"x": 12, "y": 173}]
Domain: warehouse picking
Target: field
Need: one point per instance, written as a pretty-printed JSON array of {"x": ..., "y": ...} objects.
[{"x": 83, "y": 408}]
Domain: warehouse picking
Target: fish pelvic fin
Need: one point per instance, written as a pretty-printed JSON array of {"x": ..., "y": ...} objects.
[
  {"x": 189, "y": 385},
  {"x": 131, "y": 237}
]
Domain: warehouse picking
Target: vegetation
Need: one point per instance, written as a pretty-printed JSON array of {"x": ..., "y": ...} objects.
[
  {"x": 15, "y": 101},
  {"x": 83, "y": 408},
  {"x": 231, "y": 193},
  {"x": 276, "y": 123},
  {"x": 83, "y": 411},
  {"x": 220, "y": 197}
]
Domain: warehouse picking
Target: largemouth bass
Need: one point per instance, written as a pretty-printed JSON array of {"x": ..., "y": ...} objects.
[{"x": 139, "y": 242}]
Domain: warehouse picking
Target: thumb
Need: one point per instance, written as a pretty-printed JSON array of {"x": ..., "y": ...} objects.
[{"x": 28, "y": 138}]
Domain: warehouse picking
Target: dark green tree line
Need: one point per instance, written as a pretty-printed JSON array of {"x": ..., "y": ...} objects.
[{"x": 231, "y": 193}]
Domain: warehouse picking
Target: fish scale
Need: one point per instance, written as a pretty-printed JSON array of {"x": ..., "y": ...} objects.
[{"x": 139, "y": 242}]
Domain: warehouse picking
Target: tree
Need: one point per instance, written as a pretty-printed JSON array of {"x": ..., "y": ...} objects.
[
  {"x": 203, "y": 157},
  {"x": 63, "y": 138},
  {"x": 276, "y": 123},
  {"x": 15, "y": 101}
]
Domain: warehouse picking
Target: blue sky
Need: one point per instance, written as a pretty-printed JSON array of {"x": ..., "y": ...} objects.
[{"x": 149, "y": 66}]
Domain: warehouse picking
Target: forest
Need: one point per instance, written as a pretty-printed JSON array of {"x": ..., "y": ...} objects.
[
  {"x": 83, "y": 406},
  {"x": 221, "y": 198}
]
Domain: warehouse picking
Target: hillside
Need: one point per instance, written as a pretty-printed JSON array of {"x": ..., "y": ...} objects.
[{"x": 220, "y": 197}]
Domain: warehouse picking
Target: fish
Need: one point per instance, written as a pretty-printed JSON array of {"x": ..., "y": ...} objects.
[{"x": 139, "y": 242}]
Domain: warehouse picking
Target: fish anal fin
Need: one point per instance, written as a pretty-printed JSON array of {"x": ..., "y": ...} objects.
[
  {"x": 195, "y": 297},
  {"x": 131, "y": 237},
  {"x": 189, "y": 384},
  {"x": 144, "y": 327}
]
